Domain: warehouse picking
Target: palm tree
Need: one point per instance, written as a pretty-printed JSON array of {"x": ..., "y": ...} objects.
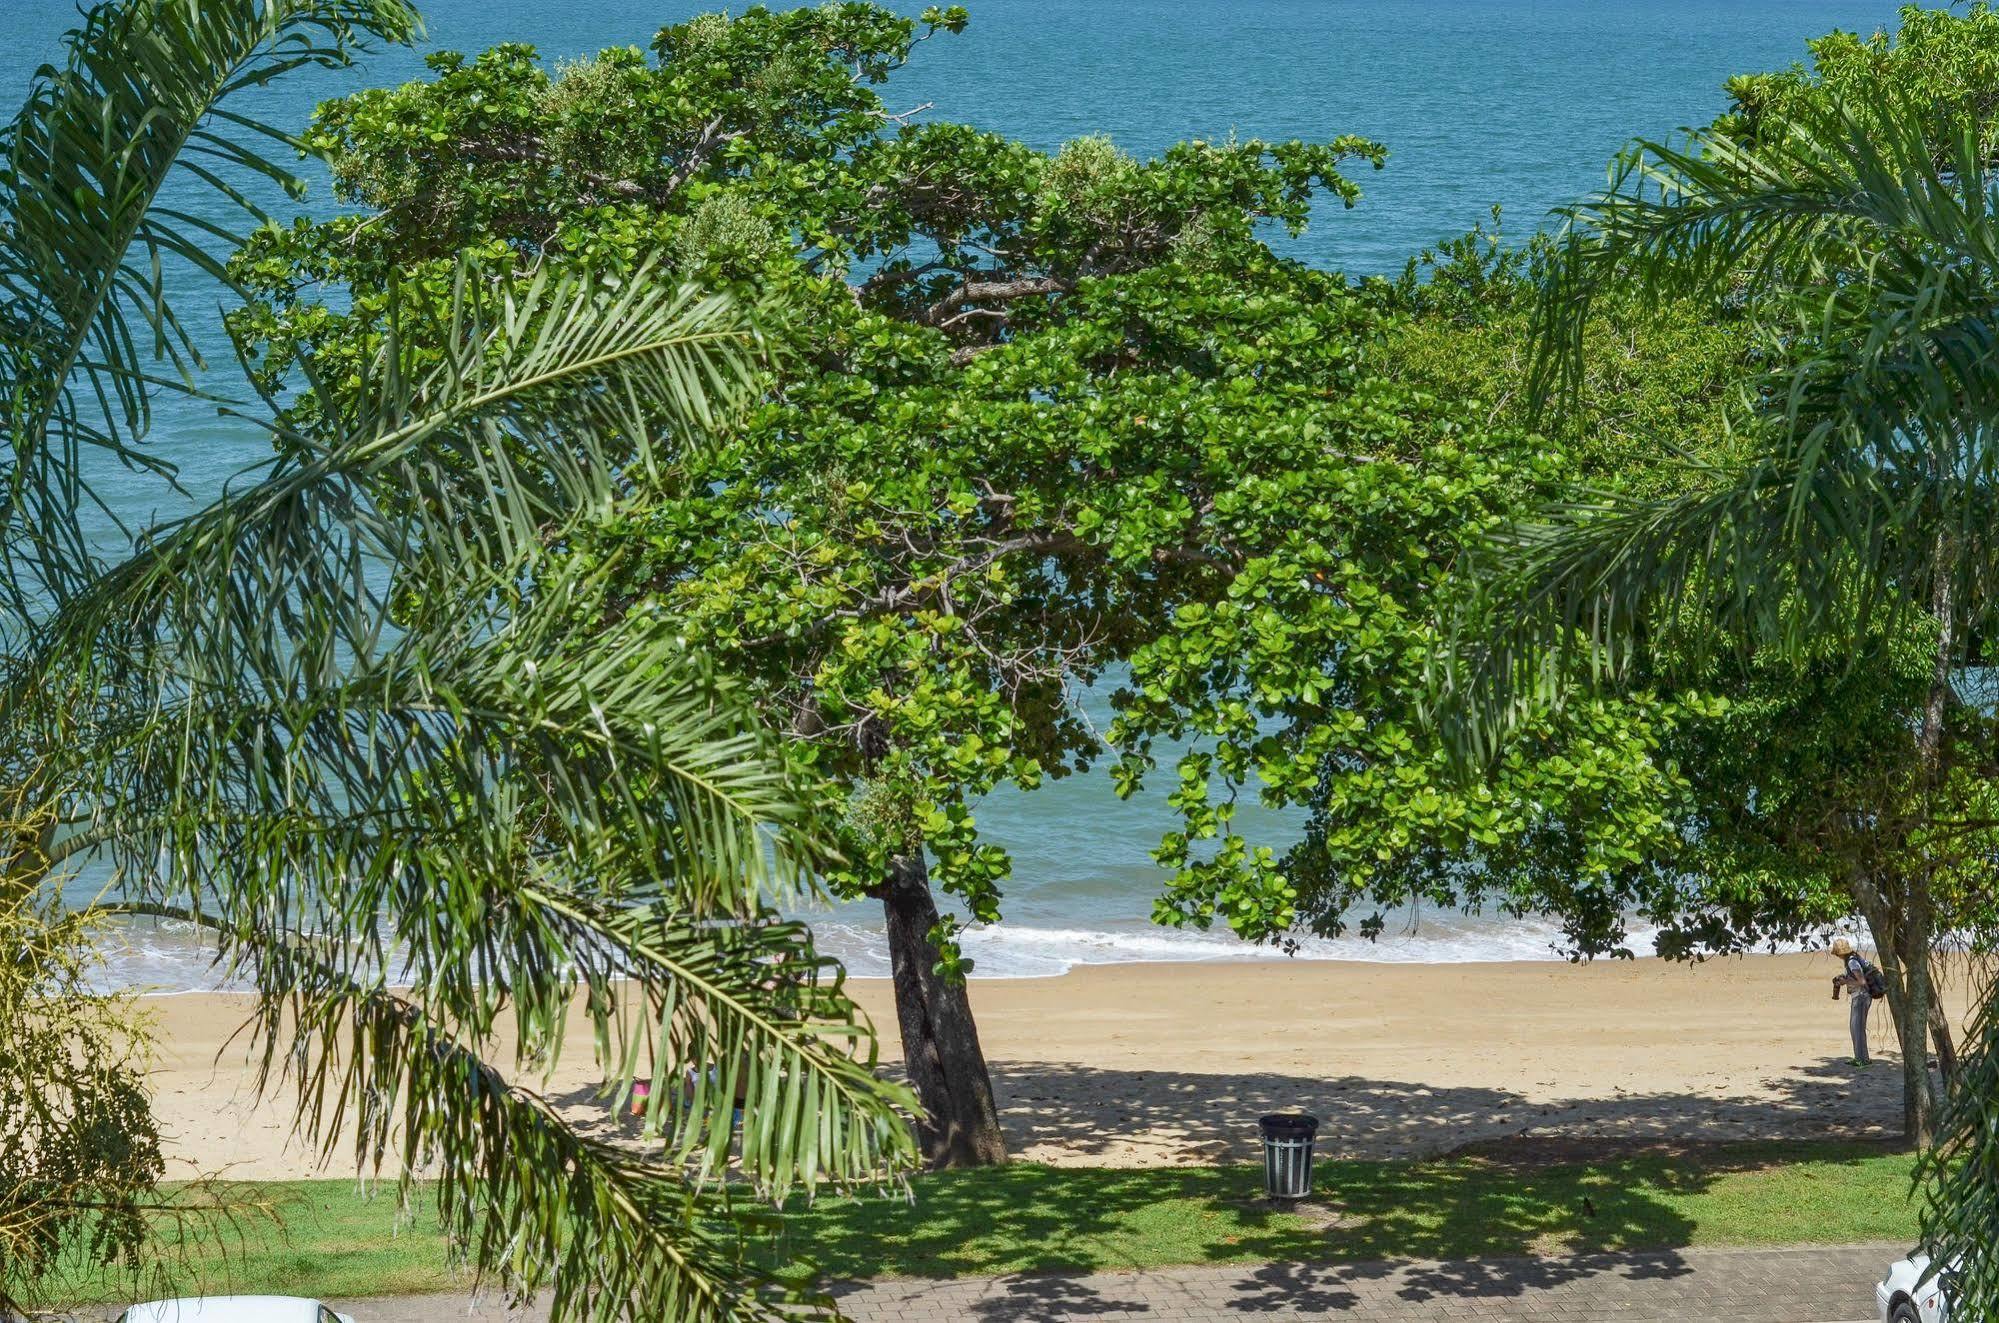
[
  {"x": 1862, "y": 239},
  {"x": 357, "y": 742}
]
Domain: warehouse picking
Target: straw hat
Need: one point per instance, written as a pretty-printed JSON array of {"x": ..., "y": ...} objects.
[{"x": 1842, "y": 946}]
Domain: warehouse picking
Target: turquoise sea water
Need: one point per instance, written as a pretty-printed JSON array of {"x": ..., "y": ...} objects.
[{"x": 1519, "y": 103}]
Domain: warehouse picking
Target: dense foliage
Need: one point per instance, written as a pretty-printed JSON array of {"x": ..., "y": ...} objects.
[
  {"x": 1035, "y": 418},
  {"x": 321, "y": 718},
  {"x": 1306, "y": 682},
  {"x": 1802, "y": 787},
  {"x": 80, "y": 1154},
  {"x": 416, "y": 703},
  {"x": 1946, "y": 59},
  {"x": 1017, "y": 422},
  {"x": 1851, "y": 227}
]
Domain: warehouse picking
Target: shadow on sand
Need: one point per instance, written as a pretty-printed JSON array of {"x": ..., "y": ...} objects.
[
  {"x": 1087, "y": 1115},
  {"x": 1133, "y": 1118}
]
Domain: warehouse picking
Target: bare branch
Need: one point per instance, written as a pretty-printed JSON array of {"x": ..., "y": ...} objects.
[{"x": 979, "y": 291}]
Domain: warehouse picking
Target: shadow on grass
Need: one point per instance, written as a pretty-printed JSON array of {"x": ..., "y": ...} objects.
[{"x": 1619, "y": 1199}]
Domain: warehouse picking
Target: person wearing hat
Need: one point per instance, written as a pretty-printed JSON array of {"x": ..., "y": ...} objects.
[{"x": 1859, "y": 1001}]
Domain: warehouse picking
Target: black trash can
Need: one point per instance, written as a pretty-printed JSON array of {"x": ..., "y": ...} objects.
[{"x": 1287, "y": 1154}]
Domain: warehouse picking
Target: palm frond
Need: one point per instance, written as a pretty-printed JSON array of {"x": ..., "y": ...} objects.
[
  {"x": 505, "y": 843},
  {"x": 1957, "y": 1181},
  {"x": 355, "y": 725},
  {"x": 1864, "y": 242},
  {"x": 591, "y": 1228},
  {"x": 634, "y": 367},
  {"x": 425, "y": 785},
  {"x": 140, "y": 99},
  {"x": 1814, "y": 218}
]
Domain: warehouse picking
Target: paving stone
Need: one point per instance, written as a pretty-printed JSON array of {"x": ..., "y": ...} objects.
[
  {"x": 1812, "y": 1284},
  {"x": 1806, "y": 1285}
]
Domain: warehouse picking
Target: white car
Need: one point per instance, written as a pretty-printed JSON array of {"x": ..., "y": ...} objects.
[
  {"x": 1904, "y": 1297},
  {"x": 233, "y": 1309}
]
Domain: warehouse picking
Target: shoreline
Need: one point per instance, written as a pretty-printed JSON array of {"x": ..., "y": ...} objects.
[
  {"x": 1170, "y": 1062},
  {"x": 1083, "y": 967},
  {"x": 1251, "y": 962},
  {"x": 165, "y": 958},
  {"x": 1358, "y": 962}
]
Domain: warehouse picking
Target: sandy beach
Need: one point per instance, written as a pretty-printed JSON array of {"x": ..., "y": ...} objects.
[{"x": 1131, "y": 1065}]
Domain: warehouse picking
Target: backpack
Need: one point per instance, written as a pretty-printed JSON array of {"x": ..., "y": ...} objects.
[{"x": 1877, "y": 987}]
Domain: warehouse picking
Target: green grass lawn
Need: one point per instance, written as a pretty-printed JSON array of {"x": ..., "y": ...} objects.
[
  {"x": 336, "y": 1242},
  {"x": 326, "y": 1239},
  {"x": 1043, "y": 1219}
]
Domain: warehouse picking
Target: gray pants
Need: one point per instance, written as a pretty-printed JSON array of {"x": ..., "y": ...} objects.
[{"x": 1858, "y": 1003}]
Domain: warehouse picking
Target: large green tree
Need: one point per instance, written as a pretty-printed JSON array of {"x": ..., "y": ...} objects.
[
  {"x": 1035, "y": 414},
  {"x": 1803, "y": 804},
  {"x": 324, "y": 717},
  {"x": 1849, "y": 218},
  {"x": 1826, "y": 566},
  {"x": 975, "y": 472},
  {"x": 1859, "y": 225}
]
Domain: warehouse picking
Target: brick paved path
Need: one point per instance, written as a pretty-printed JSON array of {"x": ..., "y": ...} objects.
[
  {"x": 1814, "y": 1285},
  {"x": 1808, "y": 1285}
]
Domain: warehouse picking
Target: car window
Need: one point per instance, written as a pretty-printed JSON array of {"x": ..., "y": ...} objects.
[{"x": 328, "y": 1316}]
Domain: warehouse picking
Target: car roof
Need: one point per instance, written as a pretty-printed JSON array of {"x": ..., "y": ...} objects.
[{"x": 226, "y": 1309}]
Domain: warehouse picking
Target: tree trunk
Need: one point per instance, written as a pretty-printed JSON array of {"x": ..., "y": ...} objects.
[
  {"x": 1918, "y": 1098},
  {"x": 1941, "y": 1037},
  {"x": 1917, "y": 920},
  {"x": 940, "y": 1042},
  {"x": 1898, "y": 932}
]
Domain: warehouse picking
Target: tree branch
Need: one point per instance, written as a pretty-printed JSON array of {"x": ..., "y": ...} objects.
[
  {"x": 902, "y": 596},
  {"x": 530, "y": 150},
  {"x": 981, "y": 291}
]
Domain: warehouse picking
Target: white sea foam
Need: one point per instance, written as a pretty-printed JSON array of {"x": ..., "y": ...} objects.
[
  {"x": 161, "y": 961},
  {"x": 1005, "y": 950},
  {"x": 166, "y": 959}
]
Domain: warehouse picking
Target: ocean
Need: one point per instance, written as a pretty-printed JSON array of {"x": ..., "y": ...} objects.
[{"x": 1515, "y": 103}]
